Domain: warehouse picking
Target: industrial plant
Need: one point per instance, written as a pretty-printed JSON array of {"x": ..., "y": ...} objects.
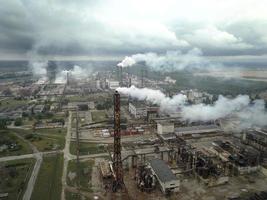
[
  {"x": 120, "y": 134},
  {"x": 133, "y": 100}
]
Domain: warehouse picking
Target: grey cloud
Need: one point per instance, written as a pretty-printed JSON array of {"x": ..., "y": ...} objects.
[{"x": 68, "y": 27}]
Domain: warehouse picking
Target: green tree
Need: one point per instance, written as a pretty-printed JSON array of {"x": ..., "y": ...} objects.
[
  {"x": 3, "y": 123},
  {"x": 18, "y": 122}
]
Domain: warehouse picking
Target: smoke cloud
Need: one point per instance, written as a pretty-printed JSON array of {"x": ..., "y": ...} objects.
[
  {"x": 77, "y": 73},
  {"x": 249, "y": 113},
  {"x": 171, "y": 61},
  {"x": 39, "y": 70},
  {"x": 166, "y": 104}
]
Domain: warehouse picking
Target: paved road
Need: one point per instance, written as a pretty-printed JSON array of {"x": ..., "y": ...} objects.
[
  {"x": 35, "y": 171},
  {"x": 39, "y": 158},
  {"x": 8, "y": 158},
  {"x": 67, "y": 157}
]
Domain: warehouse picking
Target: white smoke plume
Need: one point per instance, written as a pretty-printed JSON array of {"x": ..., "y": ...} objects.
[
  {"x": 166, "y": 104},
  {"x": 171, "y": 61},
  {"x": 77, "y": 73},
  {"x": 221, "y": 108},
  {"x": 39, "y": 70},
  {"x": 249, "y": 114}
]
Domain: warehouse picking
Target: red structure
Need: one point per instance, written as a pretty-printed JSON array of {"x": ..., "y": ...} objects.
[{"x": 117, "y": 162}]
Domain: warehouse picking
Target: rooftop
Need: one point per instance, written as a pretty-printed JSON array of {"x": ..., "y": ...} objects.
[
  {"x": 162, "y": 170},
  {"x": 197, "y": 128}
]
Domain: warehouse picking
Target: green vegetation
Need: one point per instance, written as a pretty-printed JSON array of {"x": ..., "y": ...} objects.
[
  {"x": 98, "y": 116},
  {"x": 3, "y": 123},
  {"x": 14, "y": 177},
  {"x": 75, "y": 196},
  {"x": 12, "y": 102},
  {"x": 78, "y": 98},
  {"x": 11, "y": 145},
  {"x": 84, "y": 170},
  {"x": 185, "y": 80},
  {"x": 87, "y": 148},
  {"x": 18, "y": 122},
  {"x": 105, "y": 104},
  {"x": 48, "y": 184},
  {"x": 45, "y": 139},
  {"x": 90, "y": 97},
  {"x": 214, "y": 85}
]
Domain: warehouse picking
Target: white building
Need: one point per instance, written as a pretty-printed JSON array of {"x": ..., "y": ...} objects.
[
  {"x": 137, "y": 109},
  {"x": 165, "y": 127},
  {"x": 167, "y": 180},
  {"x": 113, "y": 84}
]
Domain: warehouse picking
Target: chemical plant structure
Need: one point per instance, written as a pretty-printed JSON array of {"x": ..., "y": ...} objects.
[
  {"x": 158, "y": 155},
  {"x": 119, "y": 147}
]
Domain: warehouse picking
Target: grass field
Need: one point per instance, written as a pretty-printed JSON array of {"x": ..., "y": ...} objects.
[
  {"x": 8, "y": 136},
  {"x": 99, "y": 116},
  {"x": 87, "y": 148},
  {"x": 11, "y": 103},
  {"x": 48, "y": 185},
  {"x": 90, "y": 97},
  {"x": 45, "y": 139},
  {"x": 85, "y": 173},
  {"x": 14, "y": 177},
  {"x": 52, "y": 139},
  {"x": 74, "y": 196}
]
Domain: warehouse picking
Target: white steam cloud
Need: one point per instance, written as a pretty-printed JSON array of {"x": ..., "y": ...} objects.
[
  {"x": 166, "y": 104},
  {"x": 171, "y": 61},
  {"x": 77, "y": 73},
  {"x": 39, "y": 70},
  {"x": 249, "y": 113}
]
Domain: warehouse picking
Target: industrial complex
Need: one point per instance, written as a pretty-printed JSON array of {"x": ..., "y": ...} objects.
[{"x": 110, "y": 144}]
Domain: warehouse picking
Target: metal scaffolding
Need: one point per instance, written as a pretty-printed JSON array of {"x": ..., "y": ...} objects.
[{"x": 117, "y": 162}]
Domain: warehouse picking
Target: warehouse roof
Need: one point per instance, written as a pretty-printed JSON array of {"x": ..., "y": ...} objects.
[
  {"x": 162, "y": 170},
  {"x": 203, "y": 128}
]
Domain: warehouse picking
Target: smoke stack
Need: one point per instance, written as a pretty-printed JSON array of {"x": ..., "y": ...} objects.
[
  {"x": 68, "y": 78},
  {"x": 121, "y": 82},
  {"x": 142, "y": 78}
]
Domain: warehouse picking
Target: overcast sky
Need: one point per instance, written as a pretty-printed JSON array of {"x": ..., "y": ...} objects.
[{"x": 114, "y": 28}]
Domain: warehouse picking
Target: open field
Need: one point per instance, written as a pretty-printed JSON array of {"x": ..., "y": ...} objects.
[
  {"x": 89, "y": 97},
  {"x": 99, "y": 116},
  {"x": 11, "y": 103},
  {"x": 85, "y": 173},
  {"x": 48, "y": 184},
  {"x": 75, "y": 196},
  {"x": 14, "y": 177},
  {"x": 45, "y": 139},
  {"x": 14, "y": 145},
  {"x": 87, "y": 148}
]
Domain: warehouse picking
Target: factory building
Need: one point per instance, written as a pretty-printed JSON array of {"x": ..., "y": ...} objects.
[
  {"x": 197, "y": 130},
  {"x": 167, "y": 180},
  {"x": 257, "y": 138},
  {"x": 165, "y": 127},
  {"x": 113, "y": 85},
  {"x": 138, "y": 109}
]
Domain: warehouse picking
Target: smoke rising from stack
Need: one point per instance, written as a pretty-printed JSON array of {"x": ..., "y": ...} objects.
[
  {"x": 249, "y": 113},
  {"x": 166, "y": 104},
  {"x": 171, "y": 60},
  {"x": 39, "y": 70},
  {"x": 77, "y": 73}
]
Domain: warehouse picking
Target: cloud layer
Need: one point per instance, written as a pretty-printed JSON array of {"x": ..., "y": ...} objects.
[{"x": 117, "y": 27}]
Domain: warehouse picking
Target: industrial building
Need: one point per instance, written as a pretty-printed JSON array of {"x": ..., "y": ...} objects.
[
  {"x": 165, "y": 127},
  {"x": 138, "y": 109},
  {"x": 194, "y": 131},
  {"x": 167, "y": 180}
]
